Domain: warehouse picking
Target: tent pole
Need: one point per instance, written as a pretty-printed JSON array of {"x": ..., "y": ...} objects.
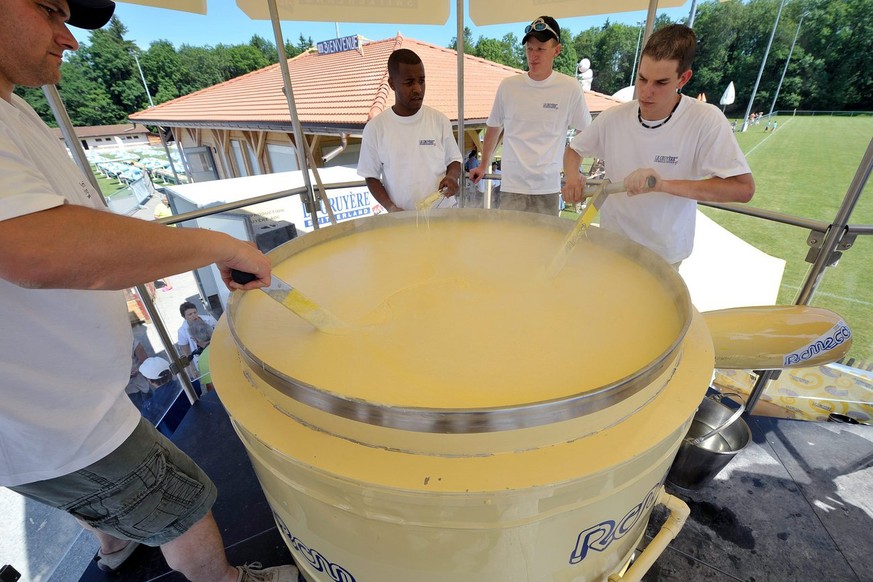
[
  {"x": 459, "y": 47},
  {"x": 63, "y": 119},
  {"x": 308, "y": 195},
  {"x": 650, "y": 20}
]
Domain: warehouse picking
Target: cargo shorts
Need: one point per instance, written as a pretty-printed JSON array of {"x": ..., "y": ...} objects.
[{"x": 147, "y": 490}]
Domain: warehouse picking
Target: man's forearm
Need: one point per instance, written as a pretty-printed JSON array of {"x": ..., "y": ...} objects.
[
  {"x": 492, "y": 135},
  {"x": 734, "y": 189},
  {"x": 378, "y": 191},
  {"x": 572, "y": 162},
  {"x": 75, "y": 247}
]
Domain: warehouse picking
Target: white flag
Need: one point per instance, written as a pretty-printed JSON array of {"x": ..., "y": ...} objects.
[{"x": 729, "y": 95}]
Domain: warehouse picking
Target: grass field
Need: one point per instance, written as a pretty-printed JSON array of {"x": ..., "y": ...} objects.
[
  {"x": 804, "y": 169},
  {"x": 108, "y": 186}
]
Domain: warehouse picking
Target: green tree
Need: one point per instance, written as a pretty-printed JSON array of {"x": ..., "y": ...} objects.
[
  {"x": 162, "y": 69},
  {"x": 567, "y": 59},
  {"x": 236, "y": 60},
  {"x": 36, "y": 99},
  {"x": 87, "y": 100},
  {"x": 199, "y": 68},
  {"x": 303, "y": 45},
  {"x": 469, "y": 47},
  {"x": 265, "y": 47},
  {"x": 718, "y": 26},
  {"x": 840, "y": 36},
  {"x": 613, "y": 60},
  {"x": 505, "y": 51}
]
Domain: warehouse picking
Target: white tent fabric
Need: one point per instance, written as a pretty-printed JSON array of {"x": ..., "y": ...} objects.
[
  {"x": 482, "y": 12},
  {"x": 725, "y": 271},
  {"x": 625, "y": 94}
]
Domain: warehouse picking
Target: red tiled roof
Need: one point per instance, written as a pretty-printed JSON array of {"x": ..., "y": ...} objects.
[{"x": 342, "y": 90}]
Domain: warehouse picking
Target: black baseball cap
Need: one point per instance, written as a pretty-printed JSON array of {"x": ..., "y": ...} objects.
[
  {"x": 90, "y": 14},
  {"x": 543, "y": 29}
]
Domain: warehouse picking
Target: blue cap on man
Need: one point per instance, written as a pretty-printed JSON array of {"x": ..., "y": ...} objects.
[{"x": 90, "y": 14}]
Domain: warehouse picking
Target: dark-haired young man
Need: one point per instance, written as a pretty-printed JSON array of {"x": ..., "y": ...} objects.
[
  {"x": 687, "y": 145},
  {"x": 534, "y": 112},
  {"x": 69, "y": 435},
  {"x": 409, "y": 151}
]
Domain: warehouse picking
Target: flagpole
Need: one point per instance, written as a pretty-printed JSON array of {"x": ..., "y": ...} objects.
[
  {"x": 761, "y": 70},
  {"x": 785, "y": 70}
]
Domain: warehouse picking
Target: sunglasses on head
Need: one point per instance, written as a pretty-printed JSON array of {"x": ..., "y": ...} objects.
[{"x": 539, "y": 25}]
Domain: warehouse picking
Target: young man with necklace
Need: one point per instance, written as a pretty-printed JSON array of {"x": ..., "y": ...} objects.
[{"x": 686, "y": 145}]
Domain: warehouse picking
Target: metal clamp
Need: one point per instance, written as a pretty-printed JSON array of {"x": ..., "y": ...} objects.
[{"x": 815, "y": 240}]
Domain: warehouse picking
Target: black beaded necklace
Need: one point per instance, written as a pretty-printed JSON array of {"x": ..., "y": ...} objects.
[{"x": 644, "y": 124}]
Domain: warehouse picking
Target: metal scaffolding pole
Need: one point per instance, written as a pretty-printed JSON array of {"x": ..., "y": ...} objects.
[
  {"x": 785, "y": 70},
  {"x": 761, "y": 70}
]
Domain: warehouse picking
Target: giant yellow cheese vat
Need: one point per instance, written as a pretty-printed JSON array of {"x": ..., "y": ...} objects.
[{"x": 478, "y": 421}]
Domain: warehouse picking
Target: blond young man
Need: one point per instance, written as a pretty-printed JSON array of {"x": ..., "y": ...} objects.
[{"x": 533, "y": 111}]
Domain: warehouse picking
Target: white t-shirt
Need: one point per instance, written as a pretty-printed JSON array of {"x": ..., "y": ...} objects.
[
  {"x": 409, "y": 155},
  {"x": 185, "y": 339},
  {"x": 535, "y": 117},
  {"x": 64, "y": 354},
  {"x": 696, "y": 143}
]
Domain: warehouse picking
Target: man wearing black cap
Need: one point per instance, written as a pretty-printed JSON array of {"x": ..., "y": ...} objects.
[
  {"x": 69, "y": 435},
  {"x": 534, "y": 112}
]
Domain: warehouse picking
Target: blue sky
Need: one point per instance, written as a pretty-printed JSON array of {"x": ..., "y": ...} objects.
[{"x": 225, "y": 23}]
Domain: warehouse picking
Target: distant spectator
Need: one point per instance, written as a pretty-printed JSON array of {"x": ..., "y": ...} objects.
[
  {"x": 162, "y": 210},
  {"x": 163, "y": 389},
  {"x": 472, "y": 160},
  {"x": 189, "y": 311},
  {"x": 201, "y": 333}
]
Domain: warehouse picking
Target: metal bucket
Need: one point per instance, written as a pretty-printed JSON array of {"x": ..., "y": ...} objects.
[{"x": 716, "y": 435}]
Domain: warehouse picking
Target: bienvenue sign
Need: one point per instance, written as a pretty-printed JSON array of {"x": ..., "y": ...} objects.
[{"x": 338, "y": 45}]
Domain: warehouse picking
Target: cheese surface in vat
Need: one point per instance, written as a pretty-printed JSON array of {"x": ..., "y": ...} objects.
[{"x": 460, "y": 314}]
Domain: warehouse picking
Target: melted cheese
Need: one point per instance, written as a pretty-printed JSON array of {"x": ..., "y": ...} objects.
[{"x": 461, "y": 315}]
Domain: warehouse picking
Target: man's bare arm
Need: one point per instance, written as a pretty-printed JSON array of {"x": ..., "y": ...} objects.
[{"x": 75, "y": 247}]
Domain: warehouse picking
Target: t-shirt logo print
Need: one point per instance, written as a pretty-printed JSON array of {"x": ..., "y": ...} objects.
[
  {"x": 85, "y": 189},
  {"x": 671, "y": 160},
  {"x": 553, "y": 106},
  {"x": 427, "y": 142}
]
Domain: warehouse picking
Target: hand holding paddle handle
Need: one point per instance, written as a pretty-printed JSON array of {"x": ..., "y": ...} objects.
[
  {"x": 242, "y": 277},
  {"x": 431, "y": 199},
  {"x": 295, "y": 301},
  {"x": 598, "y": 196}
]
